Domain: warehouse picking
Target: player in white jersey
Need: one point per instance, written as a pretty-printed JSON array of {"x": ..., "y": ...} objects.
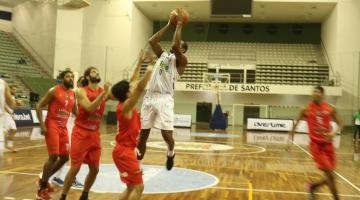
[
  {"x": 10, "y": 125},
  {"x": 157, "y": 110},
  {"x": 5, "y": 99}
]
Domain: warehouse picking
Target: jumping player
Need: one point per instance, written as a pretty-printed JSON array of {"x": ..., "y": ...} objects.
[
  {"x": 318, "y": 115},
  {"x": 157, "y": 110},
  {"x": 124, "y": 153}
]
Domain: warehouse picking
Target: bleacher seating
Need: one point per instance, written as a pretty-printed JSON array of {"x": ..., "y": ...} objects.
[
  {"x": 38, "y": 85},
  {"x": 290, "y": 64},
  {"x": 16, "y": 63}
]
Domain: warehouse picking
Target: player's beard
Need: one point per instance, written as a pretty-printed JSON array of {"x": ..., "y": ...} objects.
[
  {"x": 317, "y": 101},
  {"x": 68, "y": 85},
  {"x": 95, "y": 80}
]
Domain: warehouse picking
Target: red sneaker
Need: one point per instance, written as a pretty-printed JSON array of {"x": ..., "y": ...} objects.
[
  {"x": 43, "y": 195},
  {"x": 49, "y": 188}
]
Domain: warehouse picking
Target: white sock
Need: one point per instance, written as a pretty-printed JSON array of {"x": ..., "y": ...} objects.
[
  {"x": 170, "y": 153},
  {"x": 10, "y": 143}
]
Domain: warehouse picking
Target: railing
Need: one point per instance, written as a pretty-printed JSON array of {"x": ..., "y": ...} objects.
[
  {"x": 334, "y": 74},
  {"x": 33, "y": 53}
]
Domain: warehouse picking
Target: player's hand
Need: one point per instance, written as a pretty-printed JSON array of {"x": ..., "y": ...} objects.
[
  {"x": 137, "y": 152},
  {"x": 329, "y": 135},
  {"x": 19, "y": 103},
  {"x": 151, "y": 57},
  {"x": 142, "y": 56},
  {"x": 107, "y": 87},
  {"x": 179, "y": 15},
  {"x": 43, "y": 129}
]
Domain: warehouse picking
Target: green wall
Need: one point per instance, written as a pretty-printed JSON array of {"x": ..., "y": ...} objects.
[{"x": 246, "y": 32}]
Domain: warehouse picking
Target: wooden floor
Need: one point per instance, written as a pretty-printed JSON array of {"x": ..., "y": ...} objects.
[{"x": 243, "y": 172}]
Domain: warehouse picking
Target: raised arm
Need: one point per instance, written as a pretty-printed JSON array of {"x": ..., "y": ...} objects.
[
  {"x": 181, "y": 60},
  {"x": 131, "y": 102},
  {"x": 136, "y": 73},
  {"x": 155, "y": 39},
  {"x": 89, "y": 106}
]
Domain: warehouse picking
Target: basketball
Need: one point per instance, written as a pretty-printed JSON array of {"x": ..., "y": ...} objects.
[{"x": 173, "y": 17}]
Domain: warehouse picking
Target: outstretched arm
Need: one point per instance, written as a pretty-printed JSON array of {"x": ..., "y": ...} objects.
[
  {"x": 181, "y": 60},
  {"x": 155, "y": 39},
  {"x": 131, "y": 102},
  {"x": 136, "y": 73}
]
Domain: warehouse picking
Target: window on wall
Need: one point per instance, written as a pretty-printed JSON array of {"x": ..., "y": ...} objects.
[
  {"x": 250, "y": 76},
  {"x": 231, "y": 7},
  {"x": 4, "y": 15}
]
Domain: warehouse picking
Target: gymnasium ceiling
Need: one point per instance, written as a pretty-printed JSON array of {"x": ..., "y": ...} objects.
[
  {"x": 11, "y": 3},
  {"x": 283, "y": 11}
]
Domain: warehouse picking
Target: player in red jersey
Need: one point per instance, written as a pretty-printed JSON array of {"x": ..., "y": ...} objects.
[
  {"x": 124, "y": 153},
  {"x": 61, "y": 102},
  {"x": 318, "y": 115},
  {"x": 85, "y": 138}
]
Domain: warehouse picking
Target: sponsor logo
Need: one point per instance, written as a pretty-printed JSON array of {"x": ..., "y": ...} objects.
[
  {"x": 22, "y": 117},
  {"x": 270, "y": 124}
]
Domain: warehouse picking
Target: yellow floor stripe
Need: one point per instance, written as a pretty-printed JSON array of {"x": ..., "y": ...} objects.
[{"x": 250, "y": 191}]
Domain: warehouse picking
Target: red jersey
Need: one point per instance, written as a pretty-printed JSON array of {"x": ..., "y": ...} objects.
[
  {"x": 128, "y": 129},
  {"x": 90, "y": 120},
  {"x": 318, "y": 120},
  {"x": 60, "y": 106}
]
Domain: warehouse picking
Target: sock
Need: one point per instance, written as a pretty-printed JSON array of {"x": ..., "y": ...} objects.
[
  {"x": 10, "y": 143},
  {"x": 63, "y": 197},
  {"x": 170, "y": 153}
]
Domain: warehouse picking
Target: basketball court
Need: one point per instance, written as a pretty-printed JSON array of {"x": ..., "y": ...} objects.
[
  {"x": 235, "y": 165},
  {"x": 231, "y": 77}
]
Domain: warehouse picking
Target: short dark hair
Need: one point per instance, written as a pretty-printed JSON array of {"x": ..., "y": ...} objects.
[
  {"x": 184, "y": 45},
  {"x": 320, "y": 88},
  {"x": 87, "y": 72},
  {"x": 120, "y": 89},
  {"x": 63, "y": 74}
]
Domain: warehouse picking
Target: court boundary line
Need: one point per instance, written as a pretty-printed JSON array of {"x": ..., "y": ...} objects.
[
  {"x": 25, "y": 148},
  {"x": 215, "y": 187},
  {"x": 337, "y": 173},
  {"x": 260, "y": 150},
  {"x": 280, "y": 191}
]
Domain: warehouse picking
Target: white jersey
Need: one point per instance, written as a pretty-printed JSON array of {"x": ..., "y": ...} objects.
[
  {"x": 164, "y": 75},
  {"x": 2, "y": 97}
]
